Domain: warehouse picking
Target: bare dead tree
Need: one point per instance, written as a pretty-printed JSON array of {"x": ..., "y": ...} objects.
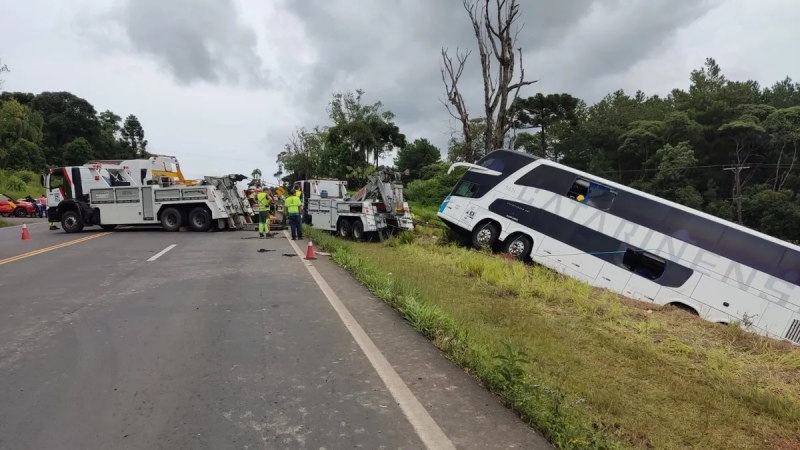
[
  {"x": 496, "y": 39},
  {"x": 452, "y": 72}
]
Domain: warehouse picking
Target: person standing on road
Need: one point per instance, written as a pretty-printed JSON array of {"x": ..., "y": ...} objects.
[
  {"x": 262, "y": 198},
  {"x": 42, "y": 206},
  {"x": 53, "y": 225},
  {"x": 292, "y": 205}
]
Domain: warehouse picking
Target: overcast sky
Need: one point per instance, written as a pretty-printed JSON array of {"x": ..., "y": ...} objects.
[{"x": 222, "y": 83}]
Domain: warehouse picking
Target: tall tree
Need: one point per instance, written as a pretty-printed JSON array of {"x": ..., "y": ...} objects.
[
  {"x": 415, "y": 156},
  {"x": 132, "y": 137},
  {"x": 109, "y": 145},
  {"x": 66, "y": 118},
  {"x": 496, "y": 37},
  {"x": 543, "y": 112},
  {"x": 255, "y": 178},
  {"x": 20, "y": 136},
  {"x": 78, "y": 152}
]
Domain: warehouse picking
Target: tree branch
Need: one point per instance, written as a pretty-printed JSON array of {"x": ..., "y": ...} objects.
[{"x": 453, "y": 72}]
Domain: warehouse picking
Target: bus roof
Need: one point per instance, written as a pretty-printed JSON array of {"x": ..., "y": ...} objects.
[{"x": 643, "y": 194}]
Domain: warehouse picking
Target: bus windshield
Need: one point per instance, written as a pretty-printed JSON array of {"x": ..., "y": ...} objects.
[{"x": 475, "y": 184}]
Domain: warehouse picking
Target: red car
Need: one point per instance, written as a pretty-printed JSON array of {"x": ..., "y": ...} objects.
[{"x": 18, "y": 208}]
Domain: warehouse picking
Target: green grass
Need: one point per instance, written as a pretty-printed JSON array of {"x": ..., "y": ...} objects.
[
  {"x": 585, "y": 367},
  {"x": 20, "y": 184}
]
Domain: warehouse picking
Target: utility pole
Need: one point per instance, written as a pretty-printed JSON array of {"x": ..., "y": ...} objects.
[{"x": 737, "y": 188}]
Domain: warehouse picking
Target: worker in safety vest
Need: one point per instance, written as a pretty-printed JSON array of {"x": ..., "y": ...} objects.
[
  {"x": 292, "y": 206},
  {"x": 262, "y": 199}
]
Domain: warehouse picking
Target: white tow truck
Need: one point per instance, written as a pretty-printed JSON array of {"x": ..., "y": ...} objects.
[
  {"x": 375, "y": 211},
  {"x": 143, "y": 192}
]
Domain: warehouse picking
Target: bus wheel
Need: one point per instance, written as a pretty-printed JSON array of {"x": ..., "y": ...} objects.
[
  {"x": 518, "y": 247},
  {"x": 108, "y": 227},
  {"x": 485, "y": 236}
]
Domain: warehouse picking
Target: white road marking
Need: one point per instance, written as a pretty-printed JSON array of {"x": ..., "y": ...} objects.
[
  {"x": 427, "y": 429},
  {"x": 161, "y": 253}
]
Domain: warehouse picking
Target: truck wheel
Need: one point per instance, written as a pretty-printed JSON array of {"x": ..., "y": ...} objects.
[
  {"x": 358, "y": 230},
  {"x": 71, "y": 222},
  {"x": 171, "y": 219},
  {"x": 343, "y": 229},
  {"x": 108, "y": 227},
  {"x": 200, "y": 219}
]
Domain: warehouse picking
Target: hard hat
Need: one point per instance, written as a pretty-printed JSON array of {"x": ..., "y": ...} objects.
[{"x": 580, "y": 198}]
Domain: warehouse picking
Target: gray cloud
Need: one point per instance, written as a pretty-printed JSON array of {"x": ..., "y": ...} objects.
[
  {"x": 392, "y": 49},
  {"x": 195, "y": 40}
]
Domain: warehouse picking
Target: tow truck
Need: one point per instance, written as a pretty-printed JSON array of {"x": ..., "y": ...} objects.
[
  {"x": 376, "y": 210},
  {"x": 149, "y": 191}
]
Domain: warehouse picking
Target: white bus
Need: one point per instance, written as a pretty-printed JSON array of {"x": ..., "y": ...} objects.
[{"x": 628, "y": 241}]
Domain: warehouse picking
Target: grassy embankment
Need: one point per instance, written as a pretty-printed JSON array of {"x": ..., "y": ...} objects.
[
  {"x": 587, "y": 368},
  {"x": 19, "y": 185}
]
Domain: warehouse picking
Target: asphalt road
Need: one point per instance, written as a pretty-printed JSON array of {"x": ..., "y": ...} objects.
[{"x": 146, "y": 339}]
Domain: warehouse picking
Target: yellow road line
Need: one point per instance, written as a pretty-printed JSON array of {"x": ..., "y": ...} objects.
[{"x": 54, "y": 247}]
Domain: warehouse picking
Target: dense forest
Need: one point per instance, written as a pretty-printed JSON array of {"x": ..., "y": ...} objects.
[
  {"x": 726, "y": 147},
  {"x": 55, "y": 128}
]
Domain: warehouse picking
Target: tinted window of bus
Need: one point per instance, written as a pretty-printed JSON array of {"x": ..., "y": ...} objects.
[
  {"x": 690, "y": 228},
  {"x": 750, "y": 250},
  {"x": 494, "y": 164},
  {"x": 789, "y": 268},
  {"x": 503, "y": 161},
  {"x": 639, "y": 210},
  {"x": 506, "y": 161},
  {"x": 548, "y": 178}
]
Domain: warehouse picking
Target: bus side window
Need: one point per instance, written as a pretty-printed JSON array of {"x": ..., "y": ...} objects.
[
  {"x": 594, "y": 194},
  {"x": 789, "y": 268},
  {"x": 644, "y": 264}
]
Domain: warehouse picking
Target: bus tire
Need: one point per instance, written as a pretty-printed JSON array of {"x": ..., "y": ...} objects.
[
  {"x": 200, "y": 219},
  {"x": 518, "y": 246},
  {"x": 485, "y": 235},
  {"x": 108, "y": 227},
  {"x": 171, "y": 219}
]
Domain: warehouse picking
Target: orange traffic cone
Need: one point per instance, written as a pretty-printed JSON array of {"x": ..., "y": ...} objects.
[
  {"x": 25, "y": 235},
  {"x": 310, "y": 251}
]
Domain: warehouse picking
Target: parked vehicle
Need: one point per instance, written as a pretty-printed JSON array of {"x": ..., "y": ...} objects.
[
  {"x": 18, "y": 208},
  {"x": 377, "y": 210},
  {"x": 7, "y": 206}
]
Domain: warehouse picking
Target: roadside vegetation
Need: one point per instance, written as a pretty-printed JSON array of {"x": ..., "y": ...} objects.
[
  {"x": 19, "y": 184},
  {"x": 586, "y": 367}
]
